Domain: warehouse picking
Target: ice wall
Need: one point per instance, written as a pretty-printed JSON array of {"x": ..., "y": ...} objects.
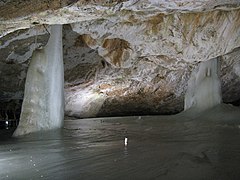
[
  {"x": 43, "y": 104},
  {"x": 204, "y": 87}
]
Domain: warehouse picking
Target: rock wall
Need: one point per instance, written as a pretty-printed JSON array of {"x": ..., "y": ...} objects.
[
  {"x": 152, "y": 85},
  {"x": 189, "y": 37}
]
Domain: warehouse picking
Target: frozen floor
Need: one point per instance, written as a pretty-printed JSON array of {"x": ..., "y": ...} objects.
[{"x": 206, "y": 146}]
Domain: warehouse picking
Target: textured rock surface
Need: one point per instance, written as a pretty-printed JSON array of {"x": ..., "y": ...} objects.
[
  {"x": 183, "y": 36},
  {"x": 96, "y": 87},
  {"x": 16, "y": 49},
  {"x": 125, "y": 57},
  {"x": 47, "y": 12},
  {"x": 230, "y": 68}
]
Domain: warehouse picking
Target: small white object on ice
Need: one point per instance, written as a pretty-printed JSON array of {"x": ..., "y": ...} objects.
[{"x": 125, "y": 141}]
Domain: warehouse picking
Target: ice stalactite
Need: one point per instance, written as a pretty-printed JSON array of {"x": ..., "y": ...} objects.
[
  {"x": 43, "y": 104},
  {"x": 204, "y": 87}
]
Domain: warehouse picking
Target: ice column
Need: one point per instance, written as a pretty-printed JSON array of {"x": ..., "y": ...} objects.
[
  {"x": 204, "y": 87},
  {"x": 43, "y": 104}
]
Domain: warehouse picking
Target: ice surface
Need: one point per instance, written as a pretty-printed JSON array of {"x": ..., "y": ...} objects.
[
  {"x": 204, "y": 87},
  {"x": 159, "y": 147},
  {"x": 43, "y": 104}
]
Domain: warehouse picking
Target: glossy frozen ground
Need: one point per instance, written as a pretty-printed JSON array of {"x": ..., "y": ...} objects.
[{"x": 184, "y": 146}]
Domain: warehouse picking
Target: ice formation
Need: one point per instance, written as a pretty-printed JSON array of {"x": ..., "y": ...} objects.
[
  {"x": 204, "y": 87},
  {"x": 43, "y": 104}
]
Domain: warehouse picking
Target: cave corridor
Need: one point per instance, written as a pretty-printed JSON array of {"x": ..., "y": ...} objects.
[{"x": 119, "y": 89}]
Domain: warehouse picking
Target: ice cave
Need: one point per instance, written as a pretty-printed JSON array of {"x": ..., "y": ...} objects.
[{"x": 120, "y": 89}]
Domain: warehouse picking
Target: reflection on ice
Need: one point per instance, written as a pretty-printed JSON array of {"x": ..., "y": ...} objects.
[
  {"x": 205, "y": 146},
  {"x": 125, "y": 141}
]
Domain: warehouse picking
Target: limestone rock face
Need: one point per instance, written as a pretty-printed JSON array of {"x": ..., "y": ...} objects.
[
  {"x": 95, "y": 86},
  {"x": 124, "y": 57},
  {"x": 230, "y": 64},
  {"x": 183, "y": 36},
  {"x": 16, "y": 49}
]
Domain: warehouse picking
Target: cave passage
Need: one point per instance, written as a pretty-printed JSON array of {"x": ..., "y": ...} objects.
[
  {"x": 43, "y": 105},
  {"x": 120, "y": 89}
]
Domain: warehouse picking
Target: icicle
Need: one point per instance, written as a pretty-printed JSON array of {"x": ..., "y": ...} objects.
[
  {"x": 43, "y": 104},
  {"x": 204, "y": 88}
]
